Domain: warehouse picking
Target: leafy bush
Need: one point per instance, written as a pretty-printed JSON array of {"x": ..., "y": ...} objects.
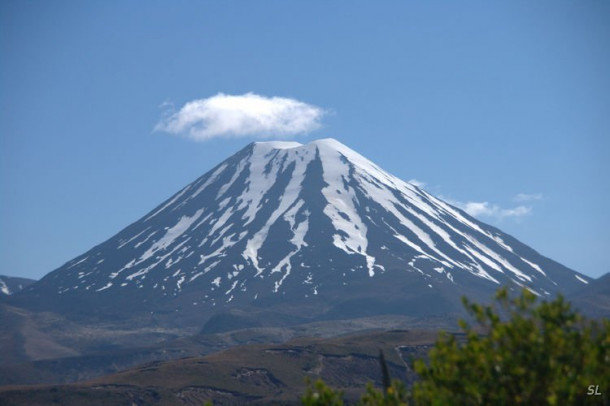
[
  {"x": 319, "y": 394},
  {"x": 519, "y": 352}
]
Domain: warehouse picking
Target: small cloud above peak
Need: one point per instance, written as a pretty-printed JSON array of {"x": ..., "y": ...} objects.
[{"x": 232, "y": 116}]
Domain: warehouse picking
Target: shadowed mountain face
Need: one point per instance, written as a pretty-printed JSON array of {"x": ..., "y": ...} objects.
[
  {"x": 10, "y": 284},
  {"x": 593, "y": 299},
  {"x": 292, "y": 233}
]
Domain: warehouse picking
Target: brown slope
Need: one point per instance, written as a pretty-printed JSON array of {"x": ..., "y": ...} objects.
[{"x": 260, "y": 373}]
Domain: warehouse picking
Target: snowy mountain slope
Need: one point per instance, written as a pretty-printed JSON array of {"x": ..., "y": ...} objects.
[{"x": 281, "y": 222}]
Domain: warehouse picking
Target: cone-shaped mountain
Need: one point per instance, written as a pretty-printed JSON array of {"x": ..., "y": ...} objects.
[{"x": 313, "y": 230}]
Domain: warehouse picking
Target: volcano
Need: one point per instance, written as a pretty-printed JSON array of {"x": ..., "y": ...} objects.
[{"x": 303, "y": 232}]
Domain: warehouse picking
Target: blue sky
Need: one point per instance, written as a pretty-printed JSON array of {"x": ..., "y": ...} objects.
[{"x": 482, "y": 101}]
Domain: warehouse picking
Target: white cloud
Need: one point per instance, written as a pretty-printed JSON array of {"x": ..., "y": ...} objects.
[
  {"x": 485, "y": 209},
  {"x": 417, "y": 183},
  {"x": 249, "y": 114},
  {"x": 524, "y": 197}
]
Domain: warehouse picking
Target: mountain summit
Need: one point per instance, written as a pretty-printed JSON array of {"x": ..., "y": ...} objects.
[{"x": 314, "y": 227}]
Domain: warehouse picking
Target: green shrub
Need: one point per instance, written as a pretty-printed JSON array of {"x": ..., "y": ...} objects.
[
  {"x": 319, "y": 394},
  {"x": 519, "y": 352}
]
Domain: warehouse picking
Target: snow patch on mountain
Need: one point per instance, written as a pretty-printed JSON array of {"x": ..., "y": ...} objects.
[
  {"x": 4, "y": 288},
  {"x": 171, "y": 235}
]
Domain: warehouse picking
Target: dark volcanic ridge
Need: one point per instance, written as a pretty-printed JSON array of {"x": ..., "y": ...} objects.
[
  {"x": 593, "y": 299},
  {"x": 13, "y": 284}
]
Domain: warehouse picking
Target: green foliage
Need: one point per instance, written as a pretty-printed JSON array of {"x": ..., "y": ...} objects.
[
  {"x": 319, "y": 394},
  {"x": 394, "y": 395},
  {"x": 520, "y": 352}
]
